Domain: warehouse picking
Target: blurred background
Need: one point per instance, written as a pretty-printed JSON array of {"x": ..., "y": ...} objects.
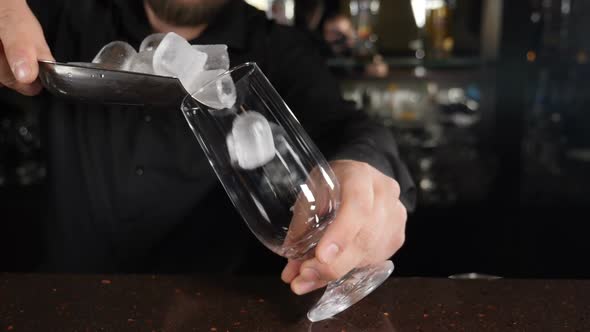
[{"x": 489, "y": 101}]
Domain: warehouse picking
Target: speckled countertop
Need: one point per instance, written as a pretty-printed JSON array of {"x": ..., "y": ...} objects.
[{"x": 205, "y": 303}]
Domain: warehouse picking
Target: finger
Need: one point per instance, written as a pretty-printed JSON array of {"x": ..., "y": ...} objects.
[
  {"x": 371, "y": 243},
  {"x": 22, "y": 62},
  {"x": 7, "y": 79},
  {"x": 314, "y": 274},
  {"x": 376, "y": 244},
  {"x": 18, "y": 48},
  {"x": 306, "y": 282},
  {"x": 22, "y": 39},
  {"x": 30, "y": 90},
  {"x": 360, "y": 251},
  {"x": 357, "y": 204},
  {"x": 291, "y": 271}
]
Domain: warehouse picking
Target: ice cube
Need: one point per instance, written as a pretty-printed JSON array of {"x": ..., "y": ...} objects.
[
  {"x": 226, "y": 91},
  {"x": 142, "y": 62},
  {"x": 151, "y": 42},
  {"x": 250, "y": 143},
  {"x": 115, "y": 55},
  {"x": 217, "y": 57},
  {"x": 287, "y": 153},
  {"x": 212, "y": 90},
  {"x": 202, "y": 78},
  {"x": 175, "y": 57}
]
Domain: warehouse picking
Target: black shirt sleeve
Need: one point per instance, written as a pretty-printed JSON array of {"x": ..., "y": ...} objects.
[{"x": 339, "y": 130}]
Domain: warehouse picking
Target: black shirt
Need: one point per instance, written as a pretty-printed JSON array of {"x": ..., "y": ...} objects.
[{"x": 130, "y": 188}]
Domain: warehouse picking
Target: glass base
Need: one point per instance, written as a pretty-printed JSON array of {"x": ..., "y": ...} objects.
[{"x": 350, "y": 289}]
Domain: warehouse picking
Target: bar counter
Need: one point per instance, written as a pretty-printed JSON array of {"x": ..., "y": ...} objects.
[{"x": 38, "y": 302}]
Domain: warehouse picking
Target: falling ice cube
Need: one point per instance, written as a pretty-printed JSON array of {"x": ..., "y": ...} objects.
[
  {"x": 214, "y": 89},
  {"x": 226, "y": 91},
  {"x": 201, "y": 79},
  {"x": 174, "y": 56},
  {"x": 250, "y": 143},
  {"x": 142, "y": 62},
  {"x": 151, "y": 42},
  {"x": 217, "y": 56},
  {"x": 115, "y": 55}
]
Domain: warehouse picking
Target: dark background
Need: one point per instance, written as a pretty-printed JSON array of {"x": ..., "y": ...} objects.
[{"x": 506, "y": 196}]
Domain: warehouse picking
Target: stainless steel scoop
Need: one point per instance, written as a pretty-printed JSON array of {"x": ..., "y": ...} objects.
[{"x": 106, "y": 86}]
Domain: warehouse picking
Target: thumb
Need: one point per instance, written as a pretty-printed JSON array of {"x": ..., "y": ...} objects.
[
  {"x": 23, "y": 43},
  {"x": 22, "y": 60}
]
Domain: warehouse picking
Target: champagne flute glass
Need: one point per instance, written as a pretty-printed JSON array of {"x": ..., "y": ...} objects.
[{"x": 274, "y": 175}]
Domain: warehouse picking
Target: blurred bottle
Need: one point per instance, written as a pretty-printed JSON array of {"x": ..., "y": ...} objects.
[
  {"x": 439, "y": 41},
  {"x": 364, "y": 14}
]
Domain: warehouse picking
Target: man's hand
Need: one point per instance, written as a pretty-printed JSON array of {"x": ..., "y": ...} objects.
[
  {"x": 22, "y": 44},
  {"x": 369, "y": 228}
]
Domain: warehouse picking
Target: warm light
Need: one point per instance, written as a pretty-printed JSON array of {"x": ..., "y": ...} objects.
[
  {"x": 582, "y": 57},
  {"x": 419, "y": 11},
  {"x": 472, "y": 105},
  {"x": 456, "y": 95},
  {"x": 426, "y": 184},
  {"x": 421, "y": 7},
  {"x": 290, "y": 10},
  {"x": 260, "y": 4},
  {"x": 375, "y": 4},
  {"x": 434, "y": 4},
  {"x": 408, "y": 116},
  {"x": 448, "y": 44},
  {"x": 432, "y": 88},
  {"x": 531, "y": 56},
  {"x": 420, "y": 71},
  {"x": 354, "y": 8}
]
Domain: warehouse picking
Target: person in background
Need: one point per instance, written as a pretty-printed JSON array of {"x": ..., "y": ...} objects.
[
  {"x": 339, "y": 33},
  {"x": 309, "y": 14},
  {"x": 334, "y": 33},
  {"x": 130, "y": 189}
]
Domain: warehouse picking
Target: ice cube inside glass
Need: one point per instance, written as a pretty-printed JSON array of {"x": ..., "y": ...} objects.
[{"x": 272, "y": 171}]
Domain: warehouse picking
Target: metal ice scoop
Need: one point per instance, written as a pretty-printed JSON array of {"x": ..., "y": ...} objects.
[{"x": 89, "y": 83}]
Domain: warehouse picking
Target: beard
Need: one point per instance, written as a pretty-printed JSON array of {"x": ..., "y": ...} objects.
[{"x": 186, "y": 13}]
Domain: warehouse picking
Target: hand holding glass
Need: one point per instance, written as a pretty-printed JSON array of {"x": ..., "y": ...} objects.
[{"x": 274, "y": 175}]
